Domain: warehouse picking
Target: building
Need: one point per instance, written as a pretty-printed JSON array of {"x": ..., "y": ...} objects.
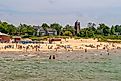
[
  {"x": 16, "y": 39},
  {"x": 50, "y": 31},
  {"x": 36, "y": 27},
  {"x": 4, "y": 38},
  {"x": 51, "y": 40},
  {"x": 77, "y": 27},
  {"x": 44, "y": 32}
]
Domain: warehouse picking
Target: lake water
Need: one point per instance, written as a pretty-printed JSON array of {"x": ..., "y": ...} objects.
[{"x": 91, "y": 66}]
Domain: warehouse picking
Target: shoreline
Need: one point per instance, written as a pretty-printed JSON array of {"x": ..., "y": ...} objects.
[
  {"x": 61, "y": 54},
  {"x": 68, "y": 45}
]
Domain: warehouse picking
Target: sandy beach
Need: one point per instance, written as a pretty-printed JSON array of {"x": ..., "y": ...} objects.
[
  {"x": 68, "y": 44},
  {"x": 75, "y": 49}
]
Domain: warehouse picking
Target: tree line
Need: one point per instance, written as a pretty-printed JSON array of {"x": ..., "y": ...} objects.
[
  {"x": 90, "y": 31},
  {"x": 24, "y": 29}
]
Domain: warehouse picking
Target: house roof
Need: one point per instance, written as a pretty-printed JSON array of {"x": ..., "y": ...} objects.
[
  {"x": 4, "y": 34},
  {"x": 41, "y": 29},
  {"x": 36, "y": 27},
  {"x": 50, "y": 29},
  {"x": 47, "y": 29},
  {"x": 16, "y": 37}
]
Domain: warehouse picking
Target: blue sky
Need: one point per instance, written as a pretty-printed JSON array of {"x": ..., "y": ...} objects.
[{"x": 61, "y": 11}]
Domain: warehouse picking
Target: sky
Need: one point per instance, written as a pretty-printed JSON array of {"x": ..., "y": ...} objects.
[{"x": 36, "y": 12}]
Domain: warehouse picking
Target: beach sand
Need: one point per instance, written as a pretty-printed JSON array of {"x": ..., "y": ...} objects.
[{"x": 74, "y": 44}]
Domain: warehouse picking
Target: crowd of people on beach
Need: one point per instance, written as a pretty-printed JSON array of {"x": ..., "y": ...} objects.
[
  {"x": 33, "y": 47},
  {"x": 68, "y": 45},
  {"x": 38, "y": 47},
  {"x": 59, "y": 47}
]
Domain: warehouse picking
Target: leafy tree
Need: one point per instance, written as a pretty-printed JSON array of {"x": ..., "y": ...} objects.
[
  {"x": 67, "y": 33},
  {"x": 92, "y": 26},
  {"x": 57, "y": 27},
  {"x": 103, "y": 30},
  {"x": 11, "y": 29},
  {"x": 7, "y": 28},
  {"x": 4, "y": 27},
  {"x": 86, "y": 32},
  {"x": 81, "y": 33},
  {"x": 25, "y": 29},
  {"x": 69, "y": 28},
  {"x": 118, "y": 29},
  {"x": 22, "y": 29},
  {"x": 112, "y": 32},
  {"x": 45, "y": 26}
]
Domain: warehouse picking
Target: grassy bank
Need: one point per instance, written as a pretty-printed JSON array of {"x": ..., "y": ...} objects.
[{"x": 112, "y": 38}]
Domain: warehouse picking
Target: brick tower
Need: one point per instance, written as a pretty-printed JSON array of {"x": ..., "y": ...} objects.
[{"x": 77, "y": 27}]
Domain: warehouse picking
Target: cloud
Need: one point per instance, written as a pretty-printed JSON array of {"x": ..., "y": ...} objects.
[
  {"x": 51, "y": 1},
  {"x": 63, "y": 11}
]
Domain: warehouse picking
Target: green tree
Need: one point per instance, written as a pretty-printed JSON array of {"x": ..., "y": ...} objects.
[
  {"x": 92, "y": 26},
  {"x": 103, "y": 30},
  {"x": 11, "y": 29},
  {"x": 4, "y": 27},
  {"x": 112, "y": 32},
  {"x": 86, "y": 32},
  {"x": 7, "y": 28},
  {"x": 69, "y": 28},
  {"x": 45, "y": 26},
  {"x": 30, "y": 30},
  {"x": 25, "y": 29},
  {"x": 118, "y": 29},
  {"x": 67, "y": 33},
  {"x": 22, "y": 29},
  {"x": 57, "y": 27}
]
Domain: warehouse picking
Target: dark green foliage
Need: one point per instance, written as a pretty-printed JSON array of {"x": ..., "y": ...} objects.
[
  {"x": 112, "y": 32},
  {"x": 45, "y": 26},
  {"x": 22, "y": 29},
  {"x": 86, "y": 32},
  {"x": 101, "y": 31},
  {"x": 57, "y": 27},
  {"x": 67, "y": 33},
  {"x": 7, "y": 28},
  {"x": 68, "y": 28}
]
